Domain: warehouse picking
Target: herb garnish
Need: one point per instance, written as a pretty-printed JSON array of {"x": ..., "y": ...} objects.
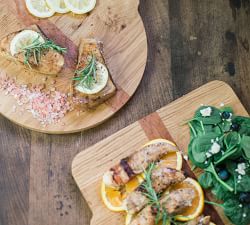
[
  {"x": 86, "y": 77},
  {"x": 220, "y": 144},
  {"x": 36, "y": 49},
  {"x": 154, "y": 199}
]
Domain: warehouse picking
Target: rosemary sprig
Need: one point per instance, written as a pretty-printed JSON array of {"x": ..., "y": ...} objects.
[
  {"x": 36, "y": 48},
  {"x": 86, "y": 77},
  {"x": 153, "y": 197}
]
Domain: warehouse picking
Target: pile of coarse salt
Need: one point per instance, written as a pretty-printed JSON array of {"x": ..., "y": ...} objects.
[{"x": 46, "y": 106}]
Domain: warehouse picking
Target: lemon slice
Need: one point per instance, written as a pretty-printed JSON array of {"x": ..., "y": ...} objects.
[
  {"x": 39, "y": 8},
  {"x": 58, "y": 6},
  {"x": 80, "y": 6},
  {"x": 102, "y": 76},
  {"x": 22, "y": 39}
]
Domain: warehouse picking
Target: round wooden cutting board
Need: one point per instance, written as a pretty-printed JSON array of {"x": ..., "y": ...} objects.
[{"x": 116, "y": 23}]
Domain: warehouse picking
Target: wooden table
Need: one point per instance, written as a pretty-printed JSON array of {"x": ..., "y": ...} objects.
[{"x": 190, "y": 43}]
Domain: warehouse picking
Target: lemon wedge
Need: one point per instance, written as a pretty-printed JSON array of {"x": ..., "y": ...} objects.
[
  {"x": 102, "y": 76},
  {"x": 58, "y": 6},
  {"x": 39, "y": 8},
  {"x": 80, "y": 6},
  {"x": 23, "y": 39}
]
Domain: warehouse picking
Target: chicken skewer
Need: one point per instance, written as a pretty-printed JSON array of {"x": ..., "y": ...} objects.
[
  {"x": 173, "y": 203},
  {"x": 162, "y": 177},
  {"x": 133, "y": 165}
]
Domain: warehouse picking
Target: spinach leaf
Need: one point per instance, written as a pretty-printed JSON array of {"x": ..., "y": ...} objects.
[
  {"x": 191, "y": 158},
  {"x": 221, "y": 192},
  {"x": 206, "y": 180},
  {"x": 245, "y": 144},
  {"x": 211, "y": 169},
  {"x": 238, "y": 215},
  {"x": 244, "y": 123},
  {"x": 201, "y": 145},
  {"x": 232, "y": 139},
  {"x": 215, "y": 117}
]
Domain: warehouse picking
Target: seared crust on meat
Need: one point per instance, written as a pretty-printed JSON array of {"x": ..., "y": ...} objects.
[
  {"x": 87, "y": 48},
  {"x": 174, "y": 203},
  {"x": 120, "y": 174},
  {"x": 51, "y": 61},
  {"x": 162, "y": 177}
]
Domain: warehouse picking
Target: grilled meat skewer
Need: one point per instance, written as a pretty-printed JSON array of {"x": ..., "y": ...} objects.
[
  {"x": 162, "y": 177},
  {"x": 135, "y": 164},
  {"x": 174, "y": 203}
]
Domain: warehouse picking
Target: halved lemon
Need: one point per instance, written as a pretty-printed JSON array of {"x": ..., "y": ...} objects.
[
  {"x": 23, "y": 39},
  {"x": 39, "y": 8},
  {"x": 113, "y": 199},
  {"x": 102, "y": 76},
  {"x": 80, "y": 6},
  {"x": 58, "y": 6},
  {"x": 198, "y": 202}
]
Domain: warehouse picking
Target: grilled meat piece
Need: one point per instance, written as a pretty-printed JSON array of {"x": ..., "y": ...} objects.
[
  {"x": 128, "y": 168},
  {"x": 51, "y": 61},
  {"x": 174, "y": 203},
  {"x": 202, "y": 220},
  {"x": 89, "y": 47},
  {"x": 162, "y": 177}
]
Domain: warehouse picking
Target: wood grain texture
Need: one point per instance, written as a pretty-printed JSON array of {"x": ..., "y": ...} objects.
[
  {"x": 89, "y": 166},
  {"x": 117, "y": 24},
  {"x": 160, "y": 85}
]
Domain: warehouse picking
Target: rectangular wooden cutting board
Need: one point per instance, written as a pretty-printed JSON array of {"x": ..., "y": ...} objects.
[{"x": 89, "y": 165}]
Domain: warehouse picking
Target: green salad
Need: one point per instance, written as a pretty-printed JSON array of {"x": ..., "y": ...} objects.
[{"x": 220, "y": 145}]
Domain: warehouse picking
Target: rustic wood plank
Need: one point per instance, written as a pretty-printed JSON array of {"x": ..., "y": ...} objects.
[
  {"x": 209, "y": 40},
  {"x": 14, "y": 173},
  {"x": 210, "y": 19}
]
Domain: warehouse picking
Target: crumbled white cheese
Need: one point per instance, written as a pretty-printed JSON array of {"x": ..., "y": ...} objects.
[
  {"x": 206, "y": 162},
  {"x": 212, "y": 140},
  {"x": 206, "y": 112},
  {"x": 239, "y": 177},
  {"x": 217, "y": 139},
  {"x": 208, "y": 154},
  {"x": 244, "y": 214},
  {"x": 185, "y": 157},
  {"x": 241, "y": 168},
  {"x": 240, "y": 205},
  {"x": 222, "y": 104},
  {"x": 215, "y": 148}
]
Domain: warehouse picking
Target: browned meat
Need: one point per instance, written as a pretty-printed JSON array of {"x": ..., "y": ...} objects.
[
  {"x": 86, "y": 49},
  {"x": 120, "y": 174},
  {"x": 202, "y": 220},
  {"x": 174, "y": 203},
  {"x": 51, "y": 61},
  {"x": 177, "y": 200},
  {"x": 162, "y": 177}
]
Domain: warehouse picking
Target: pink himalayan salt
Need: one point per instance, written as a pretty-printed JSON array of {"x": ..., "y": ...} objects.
[{"x": 47, "y": 107}]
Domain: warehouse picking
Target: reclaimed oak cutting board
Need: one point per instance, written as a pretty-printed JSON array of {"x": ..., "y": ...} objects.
[
  {"x": 116, "y": 23},
  {"x": 89, "y": 165}
]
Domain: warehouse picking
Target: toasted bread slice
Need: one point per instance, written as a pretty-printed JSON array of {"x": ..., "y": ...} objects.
[
  {"x": 87, "y": 48},
  {"x": 51, "y": 61}
]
